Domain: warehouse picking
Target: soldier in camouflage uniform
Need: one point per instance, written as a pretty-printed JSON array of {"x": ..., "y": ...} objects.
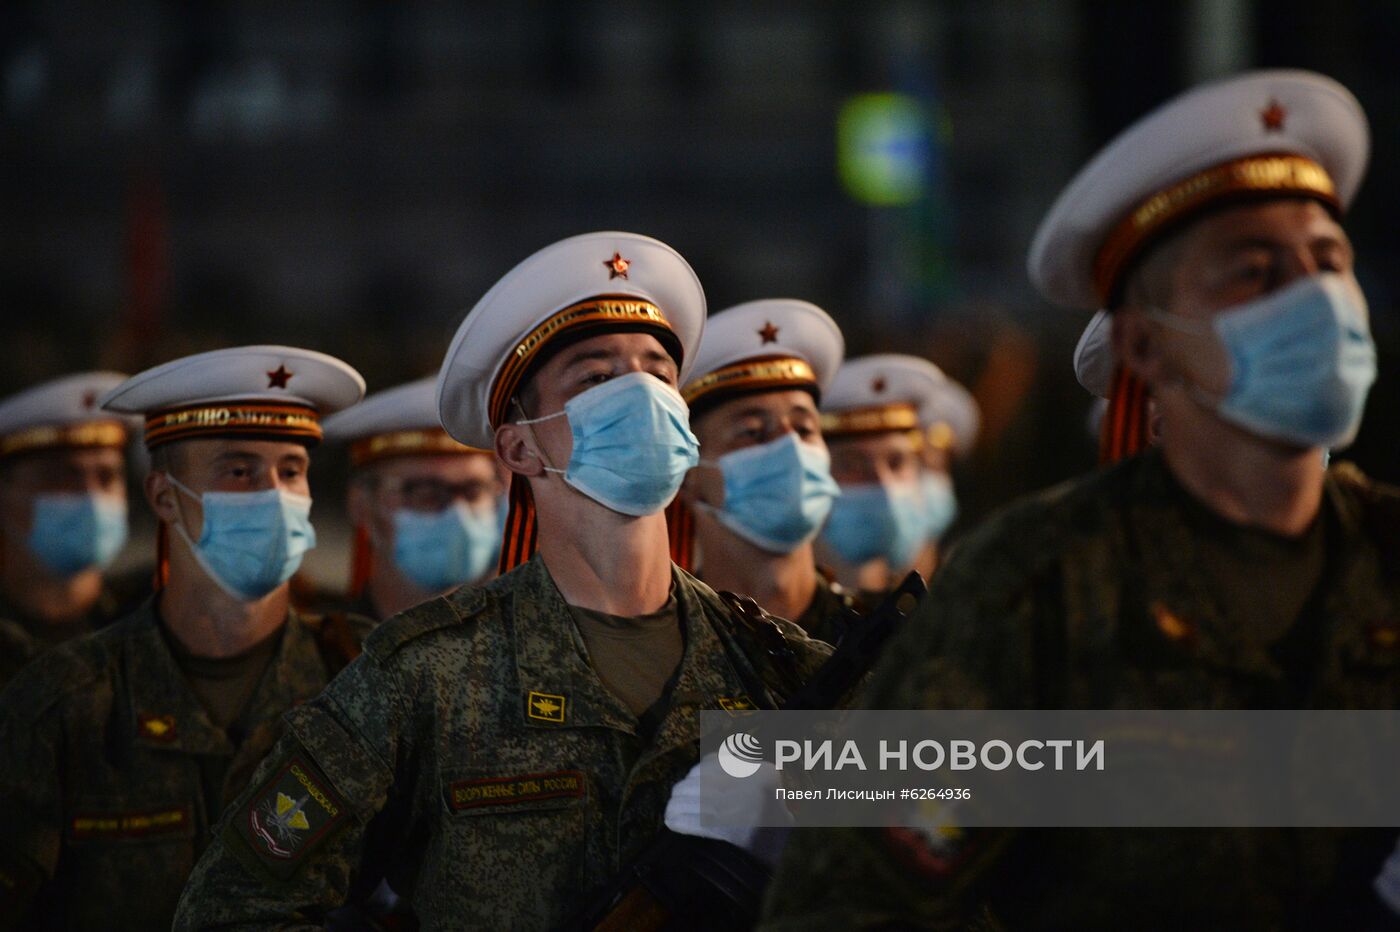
[
  {"x": 119, "y": 751},
  {"x": 759, "y": 498},
  {"x": 1224, "y": 568},
  {"x": 893, "y": 423},
  {"x": 424, "y": 507},
  {"x": 496, "y": 753},
  {"x": 62, "y": 516}
]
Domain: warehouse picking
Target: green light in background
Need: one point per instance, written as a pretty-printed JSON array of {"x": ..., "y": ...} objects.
[{"x": 883, "y": 144}]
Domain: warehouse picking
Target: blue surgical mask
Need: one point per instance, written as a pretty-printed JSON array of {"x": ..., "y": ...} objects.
[
  {"x": 442, "y": 549},
  {"x": 877, "y": 520},
  {"x": 1301, "y": 362},
  {"x": 632, "y": 443},
  {"x": 76, "y": 532},
  {"x": 252, "y": 542},
  {"x": 777, "y": 494},
  {"x": 940, "y": 504}
]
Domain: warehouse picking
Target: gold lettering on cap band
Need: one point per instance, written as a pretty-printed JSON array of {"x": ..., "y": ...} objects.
[
  {"x": 248, "y": 417},
  {"x": 1284, "y": 174},
  {"x": 586, "y": 313},
  {"x": 876, "y": 419},
  {"x": 424, "y": 441},
  {"x": 64, "y": 436},
  {"x": 769, "y": 371}
]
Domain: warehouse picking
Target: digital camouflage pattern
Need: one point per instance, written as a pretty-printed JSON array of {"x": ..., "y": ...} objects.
[
  {"x": 1092, "y": 596},
  {"x": 472, "y": 757},
  {"x": 111, "y": 774}
]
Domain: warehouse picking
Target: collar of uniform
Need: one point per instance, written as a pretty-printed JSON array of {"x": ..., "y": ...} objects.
[
  {"x": 165, "y": 713},
  {"x": 707, "y": 673},
  {"x": 551, "y": 659},
  {"x": 1174, "y": 576}
]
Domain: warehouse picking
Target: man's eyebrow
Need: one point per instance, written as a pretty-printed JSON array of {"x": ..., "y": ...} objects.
[
  {"x": 592, "y": 355},
  {"x": 229, "y": 455}
]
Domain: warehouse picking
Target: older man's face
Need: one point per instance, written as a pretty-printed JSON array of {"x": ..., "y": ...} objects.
[{"x": 1238, "y": 255}]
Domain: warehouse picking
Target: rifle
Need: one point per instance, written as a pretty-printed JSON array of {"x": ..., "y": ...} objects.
[{"x": 682, "y": 882}]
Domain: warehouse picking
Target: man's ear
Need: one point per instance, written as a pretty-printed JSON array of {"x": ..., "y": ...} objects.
[
  {"x": 161, "y": 496},
  {"x": 515, "y": 449},
  {"x": 1137, "y": 345}
]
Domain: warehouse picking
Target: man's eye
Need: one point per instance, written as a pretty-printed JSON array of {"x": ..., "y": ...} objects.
[{"x": 595, "y": 378}]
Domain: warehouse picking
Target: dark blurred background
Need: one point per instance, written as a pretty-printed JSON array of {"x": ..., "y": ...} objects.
[{"x": 352, "y": 176}]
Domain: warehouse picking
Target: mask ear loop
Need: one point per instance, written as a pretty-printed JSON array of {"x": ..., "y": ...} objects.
[
  {"x": 1191, "y": 328},
  {"x": 528, "y": 422}
]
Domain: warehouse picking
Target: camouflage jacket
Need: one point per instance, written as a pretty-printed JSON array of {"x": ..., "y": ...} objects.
[
  {"x": 107, "y": 764},
  {"x": 23, "y": 638},
  {"x": 1092, "y": 596},
  {"x": 473, "y": 758}
]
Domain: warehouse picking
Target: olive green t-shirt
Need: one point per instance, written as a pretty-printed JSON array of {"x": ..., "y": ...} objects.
[
  {"x": 635, "y": 657},
  {"x": 224, "y": 685}
]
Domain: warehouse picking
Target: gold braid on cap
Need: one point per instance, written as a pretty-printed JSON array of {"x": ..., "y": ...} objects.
[
  {"x": 234, "y": 419},
  {"x": 752, "y": 374},
  {"x": 420, "y": 442},
  {"x": 1255, "y": 174},
  {"x": 64, "y": 436},
  {"x": 586, "y": 314},
  {"x": 941, "y": 436},
  {"x": 900, "y": 415}
]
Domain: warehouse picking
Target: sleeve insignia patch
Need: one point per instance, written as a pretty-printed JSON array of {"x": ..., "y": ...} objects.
[
  {"x": 285, "y": 820},
  {"x": 156, "y": 727},
  {"x": 506, "y": 791},
  {"x": 115, "y": 826},
  {"x": 546, "y": 707}
]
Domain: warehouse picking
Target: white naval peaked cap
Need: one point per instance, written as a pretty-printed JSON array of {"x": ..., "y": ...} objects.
[
  {"x": 254, "y": 391},
  {"x": 583, "y": 286},
  {"x": 412, "y": 406},
  {"x": 63, "y": 412},
  {"x": 765, "y": 345},
  {"x": 896, "y": 391},
  {"x": 399, "y": 421},
  {"x": 1262, "y": 133}
]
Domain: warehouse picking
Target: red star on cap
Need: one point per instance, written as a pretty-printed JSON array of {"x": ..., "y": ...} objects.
[
  {"x": 769, "y": 333},
  {"x": 1272, "y": 117},
  {"x": 878, "y": 386},
  {"x": 617, "y": 266},
  {"x": 279, "y": 378},
  {"x": 90, "y": 399}
]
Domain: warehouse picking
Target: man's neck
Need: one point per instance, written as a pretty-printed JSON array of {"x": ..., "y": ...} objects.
[
  {"x": 1246, "y": 480},
  {"x": 209, "y": 622},
  {"x": 43, "y": 597},
  {"x": 390, "y": 591},
  {"x": 608, "y": 562},
  {"x": 784, "y": 584}
]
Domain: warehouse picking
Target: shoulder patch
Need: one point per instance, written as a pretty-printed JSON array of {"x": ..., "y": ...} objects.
[
  {"x": 290, "y": 815},
  {"x": 432, "y": 615}
]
